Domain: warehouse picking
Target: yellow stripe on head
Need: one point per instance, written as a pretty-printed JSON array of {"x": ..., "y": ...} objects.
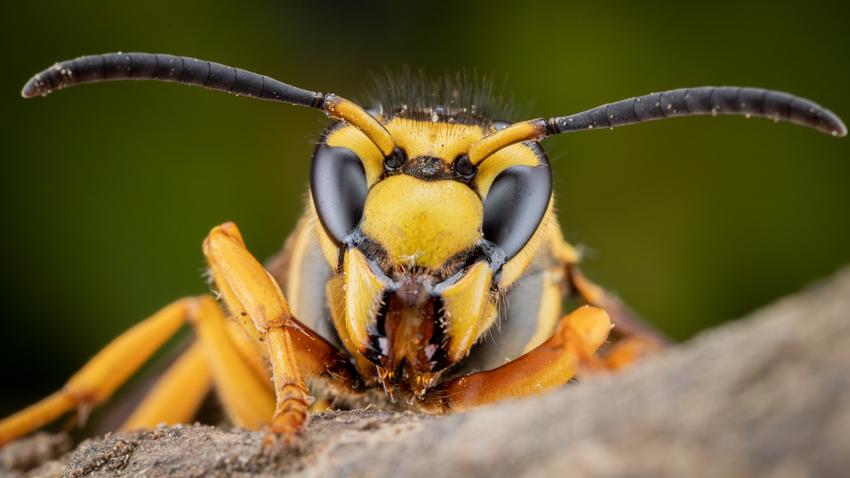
[{"x": 441, "y": 140}]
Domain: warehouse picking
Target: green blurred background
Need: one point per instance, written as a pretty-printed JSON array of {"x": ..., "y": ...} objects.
[{"x": 108, "y": 191}]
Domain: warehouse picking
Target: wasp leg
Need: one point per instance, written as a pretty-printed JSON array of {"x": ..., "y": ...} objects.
[
  {"x": 549, "y": 365},
  {"x": 255, "y": 299},
  {"x": 625, "y": 352},
  {"x": 635, "y": 337},
  {"x": 251, "y": 353},
  {"x": 177, "y": 395},
  {"x": 247, "y": 399},
  {"x": 103, "y": 374},
  {"x": 626, "y": 322}
]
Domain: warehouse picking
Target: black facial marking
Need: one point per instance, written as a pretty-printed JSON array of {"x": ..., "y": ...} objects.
[
  {"x": 377, "y": 349},
  {"x": 428, "y": 168},
  {"x": 439, "y": 356},
  {"x": 431, "y": 168}
]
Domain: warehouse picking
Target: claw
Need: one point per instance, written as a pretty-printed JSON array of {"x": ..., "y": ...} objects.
[{"x": 285, "y": 428}]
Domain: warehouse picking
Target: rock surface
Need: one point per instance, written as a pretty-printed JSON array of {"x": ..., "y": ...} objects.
[{"x": 765, "y": 396}]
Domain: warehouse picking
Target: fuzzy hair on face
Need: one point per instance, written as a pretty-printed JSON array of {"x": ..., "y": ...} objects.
[{"x": 463, "y": 97}]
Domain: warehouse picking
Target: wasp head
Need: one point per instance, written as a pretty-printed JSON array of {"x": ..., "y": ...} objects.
[{"x": 420, "y": 238}]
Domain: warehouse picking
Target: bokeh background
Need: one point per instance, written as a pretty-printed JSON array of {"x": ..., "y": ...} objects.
[{"x": 108, "y": 191}]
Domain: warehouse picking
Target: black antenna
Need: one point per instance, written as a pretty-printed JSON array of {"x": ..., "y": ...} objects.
[
  {"x": 175, "y": 69},
  {"x": 208, "y": 74},
  {"x": 724, "y": 100}
]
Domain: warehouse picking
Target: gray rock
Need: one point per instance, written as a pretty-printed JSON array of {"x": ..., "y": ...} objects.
[{"x": 765, "y": 396}]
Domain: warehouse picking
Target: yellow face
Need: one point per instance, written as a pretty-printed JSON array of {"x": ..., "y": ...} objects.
[
  {"x": 416, "y": 284},
  {"x": 422, "y": 224}
]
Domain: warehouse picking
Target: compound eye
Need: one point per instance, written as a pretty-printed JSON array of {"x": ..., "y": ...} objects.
[
  {"x": 338, "y": 186},
  {"x": 515, "y": 205}
]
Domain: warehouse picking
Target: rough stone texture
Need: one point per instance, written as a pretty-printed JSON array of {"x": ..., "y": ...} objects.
[
  {"x": 766, "y": 396},
  {"x": 31, "y": 452}
]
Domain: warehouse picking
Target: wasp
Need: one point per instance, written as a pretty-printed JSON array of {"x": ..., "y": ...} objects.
[{"x": 428, "y": 270}]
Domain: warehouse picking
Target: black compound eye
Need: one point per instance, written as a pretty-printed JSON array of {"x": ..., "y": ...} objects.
[
  {"x": 515, "y": 205},
  {"x": 338, "y": 186}
]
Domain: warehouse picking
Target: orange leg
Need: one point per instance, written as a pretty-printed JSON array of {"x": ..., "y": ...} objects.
[
  {"x": 103, "y": 374},
  {"x": 175, "y": 398},
  {"x": 634, "y": 338},
  {"x": 177, "y": 395},
  {"x": 626, "y": 322},
  {"x": 246, "y": 397},
  {"x": 549, "y": 365},
  {"x": 625, "y": 352},
  {"x": 235, "y": 359},
  {"x": 255, "y": 299}
]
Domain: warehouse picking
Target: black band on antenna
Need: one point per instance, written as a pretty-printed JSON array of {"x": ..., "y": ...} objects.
[
  {"x": 171, "y": 68},
  {"x": 724, "y": 100}
]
